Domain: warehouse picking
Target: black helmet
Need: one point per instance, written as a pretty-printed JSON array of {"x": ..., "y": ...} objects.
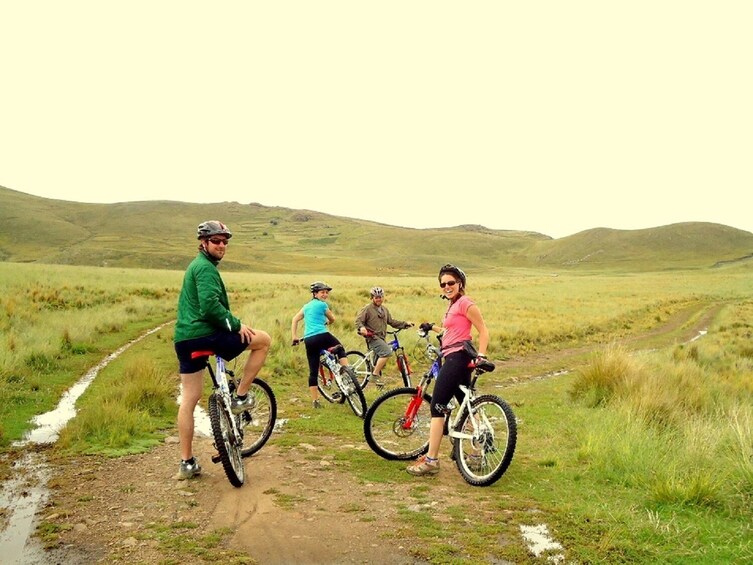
[
  {"x": 212, "y": 227},
  {"x": 453, "y": 270},
  {"x": 319, "y": 285}
]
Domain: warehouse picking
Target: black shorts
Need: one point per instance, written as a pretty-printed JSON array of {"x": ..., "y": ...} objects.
[
  {"x": 454, "y": 372},
  {"x": 227, "y": 345}
]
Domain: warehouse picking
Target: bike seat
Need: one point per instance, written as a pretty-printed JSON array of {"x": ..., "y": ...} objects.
[{"x": 199, "y": 354}]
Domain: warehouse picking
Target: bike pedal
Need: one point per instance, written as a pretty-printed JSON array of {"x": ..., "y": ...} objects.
[{"x": 216, "y": 458}]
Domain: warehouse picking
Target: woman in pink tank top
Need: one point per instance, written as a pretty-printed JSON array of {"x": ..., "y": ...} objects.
[{"x": 461, "y": 316}]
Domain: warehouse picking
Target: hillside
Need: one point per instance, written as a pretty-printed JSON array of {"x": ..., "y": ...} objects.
[{"x": 160, "y": 234}]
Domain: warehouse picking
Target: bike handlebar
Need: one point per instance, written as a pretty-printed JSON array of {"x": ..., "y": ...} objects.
[{"x": 394, "y": 332}]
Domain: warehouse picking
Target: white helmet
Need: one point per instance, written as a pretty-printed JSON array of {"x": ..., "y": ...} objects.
[{"x": 377, "y": 292}]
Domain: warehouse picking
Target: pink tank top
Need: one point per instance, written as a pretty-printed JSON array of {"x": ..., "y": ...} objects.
[{"x": 457, "y": 326}]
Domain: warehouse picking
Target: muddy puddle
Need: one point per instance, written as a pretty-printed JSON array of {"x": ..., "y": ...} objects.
[{"x": 25, "y": 492}]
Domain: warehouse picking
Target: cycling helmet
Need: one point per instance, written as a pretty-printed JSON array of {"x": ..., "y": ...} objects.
[
  {"x": 452, "y": 269},
  {"x": 319, "y": 285},
  {"x": 212, "y": 227},
  {"x": 377, "y": 292}
]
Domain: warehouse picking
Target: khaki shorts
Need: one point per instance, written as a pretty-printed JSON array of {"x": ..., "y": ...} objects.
[{"x": 380, "y": 347}]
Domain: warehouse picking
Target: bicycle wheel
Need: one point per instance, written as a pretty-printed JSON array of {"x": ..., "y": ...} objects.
[
  {"x": 362, "y": 366},
  {"x": 484, "y": 453},
  {"x": 227, "y": 446},
  {"x": 352, "y": 391},
  {"x": 389, "y": 429},
  {"x": 258, "y": 423},
  {"x": 404, "y": 367},
  {"x": 328, "y": 386}
]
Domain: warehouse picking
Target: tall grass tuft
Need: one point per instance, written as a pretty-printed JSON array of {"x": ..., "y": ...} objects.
[
  {"x": 606, "y": 376},
  {"x": 147, "y": 390},
  {"x": 107, "y": 428},
  {"x": 678, "y": 424},
  {"x": 741, "y": 451},
  {"x": 125, "y": 417},
  {"x": 689, "y": 487}
]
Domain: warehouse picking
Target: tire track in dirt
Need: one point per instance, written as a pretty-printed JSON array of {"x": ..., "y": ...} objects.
[{"x": 679, "y": 328}]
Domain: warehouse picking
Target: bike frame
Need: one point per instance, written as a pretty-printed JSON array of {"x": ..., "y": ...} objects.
[
  {"x": 370, "y": 357},
  {"x": 332, "y": 364},
  {"x": 469, "y": 393},
  {"x": 415, "y": 404},
  {"x": 221, "y": 383}
]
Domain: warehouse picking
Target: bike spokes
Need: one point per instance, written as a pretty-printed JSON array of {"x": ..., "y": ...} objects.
[
  {"x": 397, "y": 424},
  {"x": 258, "y": 422},
  {"x": 486, "y": 441},
  {"x": 226, "y": 441},
  {"x": 352, "y": 391}
]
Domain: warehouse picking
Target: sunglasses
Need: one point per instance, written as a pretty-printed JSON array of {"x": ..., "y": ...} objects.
[
  {"x": 448, "y": 283},
  {"x": 218, "y": 241}
]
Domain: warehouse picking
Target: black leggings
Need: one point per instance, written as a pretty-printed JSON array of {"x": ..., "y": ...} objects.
[
  {"x": 314, "y": 346},
  {"x": 454, "y": 372}
]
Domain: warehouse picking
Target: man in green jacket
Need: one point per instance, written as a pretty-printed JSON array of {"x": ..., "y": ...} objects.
[{"x": 205, "y": 323}]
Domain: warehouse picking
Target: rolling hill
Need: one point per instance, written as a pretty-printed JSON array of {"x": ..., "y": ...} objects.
[{"x": 160, "y": 234}]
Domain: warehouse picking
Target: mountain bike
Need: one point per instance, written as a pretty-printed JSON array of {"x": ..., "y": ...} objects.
[
  {"x": 363, "y": 363},
  {"x": 338, "y": 383},
  {"x": 237, "y": 436},
  {"x": 483, "y": 429},
  {"x": 396, "y": 425}
]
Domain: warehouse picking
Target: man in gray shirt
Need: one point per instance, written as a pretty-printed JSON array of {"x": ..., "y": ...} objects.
[{"x": 372, "y": 322}]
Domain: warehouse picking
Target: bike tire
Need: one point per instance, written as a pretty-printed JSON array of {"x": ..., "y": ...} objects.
[
  {"x": 484, "y": 458},
  {"x": 353, "y": 393},
  {"x": 328, "y": 386},
  {"x": 384, "y": 425},
  {"x": 227, "y": 448},
  {"x": 362, "y": 366},
  {"x": 259, "y": 422}
]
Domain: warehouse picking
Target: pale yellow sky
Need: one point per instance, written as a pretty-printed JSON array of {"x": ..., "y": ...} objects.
[{"x": 553, "y": 116}]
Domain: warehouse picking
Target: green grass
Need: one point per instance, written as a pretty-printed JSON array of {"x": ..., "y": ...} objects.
[{"x": 633, "y": 456}]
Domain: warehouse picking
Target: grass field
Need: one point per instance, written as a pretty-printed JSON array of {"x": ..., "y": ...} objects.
[{"x": 633, "y": 456}]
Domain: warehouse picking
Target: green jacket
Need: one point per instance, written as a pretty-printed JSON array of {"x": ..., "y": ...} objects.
[{"x": 203, "y": 307}]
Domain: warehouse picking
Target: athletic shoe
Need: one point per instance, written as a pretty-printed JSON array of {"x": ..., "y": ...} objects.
[
  {"x": 423, "y": 467},
  {"x": 188, "y": 470},
  {"x": 239, "y": 405},
  {"x": 316, "y": 404}
]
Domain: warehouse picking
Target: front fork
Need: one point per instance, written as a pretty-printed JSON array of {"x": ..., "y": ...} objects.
[{"x": 226, "y": 387}]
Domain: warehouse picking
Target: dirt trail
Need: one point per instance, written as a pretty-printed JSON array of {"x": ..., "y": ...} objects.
[{"x": 298, "y": 505}]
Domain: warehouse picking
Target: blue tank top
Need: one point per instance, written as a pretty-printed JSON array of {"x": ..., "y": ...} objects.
[{"x": 314, "y": 317}]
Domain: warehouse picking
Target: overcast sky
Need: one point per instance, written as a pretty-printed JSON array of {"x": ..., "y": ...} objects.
[{"x": 550, "y": 116}]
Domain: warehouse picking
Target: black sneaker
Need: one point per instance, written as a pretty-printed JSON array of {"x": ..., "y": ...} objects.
[{"x": 188, "y": 470}]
